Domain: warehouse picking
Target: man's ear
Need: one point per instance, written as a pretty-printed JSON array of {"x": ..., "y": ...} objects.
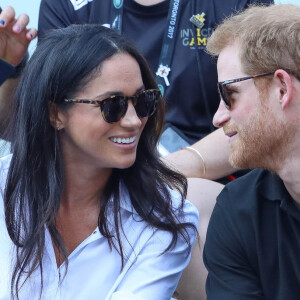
[
  {"x": 55, "y": 117},
  {"x": 284, "y": 84}
]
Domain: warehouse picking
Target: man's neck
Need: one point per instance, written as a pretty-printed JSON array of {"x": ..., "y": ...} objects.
[
  {"x": 290, "y": 174},
  {"x": 148, "y": 2}
]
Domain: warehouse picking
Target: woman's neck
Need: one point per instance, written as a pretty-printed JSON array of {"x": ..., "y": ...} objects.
[{"x": 83, "y": 187}]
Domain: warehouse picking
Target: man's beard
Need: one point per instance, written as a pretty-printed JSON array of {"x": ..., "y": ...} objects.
[{"x": 261, "y": 142}]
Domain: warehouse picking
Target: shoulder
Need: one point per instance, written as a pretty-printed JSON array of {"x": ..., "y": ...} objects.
[
  {"x": 55, "y": 14},
  {"x": 235, "y": 215},
  {"x": 184, "y": 208},
  {"x": 4, "y": 167},
  {"x": 184, "y": 212},
  {"x": 5, "y": 241},
  {"x": 244, "y": 191},
  {"x": 239, "y": 202}
]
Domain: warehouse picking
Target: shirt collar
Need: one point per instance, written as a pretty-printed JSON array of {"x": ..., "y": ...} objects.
[
  {"x": 125, "y": 201},
  {"x": 272, "y": 188}
]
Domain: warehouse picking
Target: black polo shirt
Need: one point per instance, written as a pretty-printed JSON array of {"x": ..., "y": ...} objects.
[{"x": 252, "y": 248}]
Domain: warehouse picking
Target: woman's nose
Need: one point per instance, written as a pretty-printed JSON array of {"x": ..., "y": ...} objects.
[{"x": 131, "y": 118}]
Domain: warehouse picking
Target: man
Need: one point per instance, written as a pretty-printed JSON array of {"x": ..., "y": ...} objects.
[{"x": 252, "y": 246}]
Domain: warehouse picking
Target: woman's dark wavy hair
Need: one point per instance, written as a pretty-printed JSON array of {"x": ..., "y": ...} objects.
[{"x": 61, "y": 66}]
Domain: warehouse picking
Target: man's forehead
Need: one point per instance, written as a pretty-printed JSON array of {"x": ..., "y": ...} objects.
[{"x": 229, "y": 64}]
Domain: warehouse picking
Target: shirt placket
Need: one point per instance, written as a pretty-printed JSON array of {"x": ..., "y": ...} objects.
[{"x": 55, "y": 289}]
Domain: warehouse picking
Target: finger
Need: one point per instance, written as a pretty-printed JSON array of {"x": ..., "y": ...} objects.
[
  {"x": 31, "y": 34},
  {"x": 21, "y": 23},
  {"x": 7, "y": 15}
]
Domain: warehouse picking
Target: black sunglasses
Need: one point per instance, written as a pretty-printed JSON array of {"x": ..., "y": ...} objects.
[
  {"x": 225, "y": 95},
  {"x": 114, "y": 108}
]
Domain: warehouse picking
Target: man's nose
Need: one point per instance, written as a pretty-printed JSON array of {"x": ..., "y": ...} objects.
[{"x": 221, "y": 116}]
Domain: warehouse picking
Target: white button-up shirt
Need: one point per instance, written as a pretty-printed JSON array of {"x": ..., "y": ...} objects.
[{"x": 94, "y": 271}]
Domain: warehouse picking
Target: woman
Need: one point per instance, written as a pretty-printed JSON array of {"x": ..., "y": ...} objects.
[{"x": 90, "y": 210}]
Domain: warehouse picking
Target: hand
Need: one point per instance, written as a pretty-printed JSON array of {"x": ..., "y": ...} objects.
[{"x": 14, "y": 36}]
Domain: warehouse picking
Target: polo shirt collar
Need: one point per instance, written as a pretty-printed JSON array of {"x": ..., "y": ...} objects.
[{"x": 272, "y": 188}]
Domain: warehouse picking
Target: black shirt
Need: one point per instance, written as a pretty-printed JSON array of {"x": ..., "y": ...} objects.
[
  {"x": 6, "y": 70},
  {"x": 252, "y": 248},
  {"x": 189, "y": 106}
]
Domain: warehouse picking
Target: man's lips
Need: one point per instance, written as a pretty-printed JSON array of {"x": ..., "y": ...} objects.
[{"x": 231, "y": 133}]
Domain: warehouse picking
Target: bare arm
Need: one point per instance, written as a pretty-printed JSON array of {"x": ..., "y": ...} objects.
[
  {"x": 202, "y": 193},
  {"x": 215, "y": 150},
  {"x": 14, "y": 41}
]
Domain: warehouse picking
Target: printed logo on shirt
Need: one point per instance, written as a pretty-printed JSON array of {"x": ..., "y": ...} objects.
[
  {"x": 118, "y": 3},
  {"x": 77, "y": 4},
  {"x": 195, "y": 38}
]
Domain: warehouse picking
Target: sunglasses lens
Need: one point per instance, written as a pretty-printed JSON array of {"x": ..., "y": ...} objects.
[
  {"x": 114, "y": 109},
  {"x": 224, "y": 94},
  {"x": 146, "y": 103}
]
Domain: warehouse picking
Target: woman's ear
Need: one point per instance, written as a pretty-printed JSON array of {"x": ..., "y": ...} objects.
[
  {"x": 284, "y": 86},
  {"x": 55, "y": 119}
]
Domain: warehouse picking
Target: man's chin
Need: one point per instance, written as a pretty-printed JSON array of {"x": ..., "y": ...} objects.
[
  {"x": 243, "y": 162},
  {"x": 236, "y": 163},
  {"x": 239, "y": 160},
  {"x": 233, "y": 163}
]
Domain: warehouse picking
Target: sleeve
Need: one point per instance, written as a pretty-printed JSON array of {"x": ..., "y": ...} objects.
[
  {"x": 6, "y": 70},
  {"x": 55, "y": 14},
  {"x": 230, "y": 274},
  {"x": 154, "y": 275}
]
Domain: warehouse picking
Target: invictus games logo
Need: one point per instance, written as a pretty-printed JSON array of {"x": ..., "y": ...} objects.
[
  {"x": 195, "y": 39},
  {"x": 118, "y": 3}
]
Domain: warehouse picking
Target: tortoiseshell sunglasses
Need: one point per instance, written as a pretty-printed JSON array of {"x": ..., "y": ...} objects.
[
  {"x": 222, "y": 89},
  {"x": 114, "y": 108}
]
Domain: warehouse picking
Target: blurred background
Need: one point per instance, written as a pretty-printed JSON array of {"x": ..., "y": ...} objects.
[{"x": 21, "y": 6}]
